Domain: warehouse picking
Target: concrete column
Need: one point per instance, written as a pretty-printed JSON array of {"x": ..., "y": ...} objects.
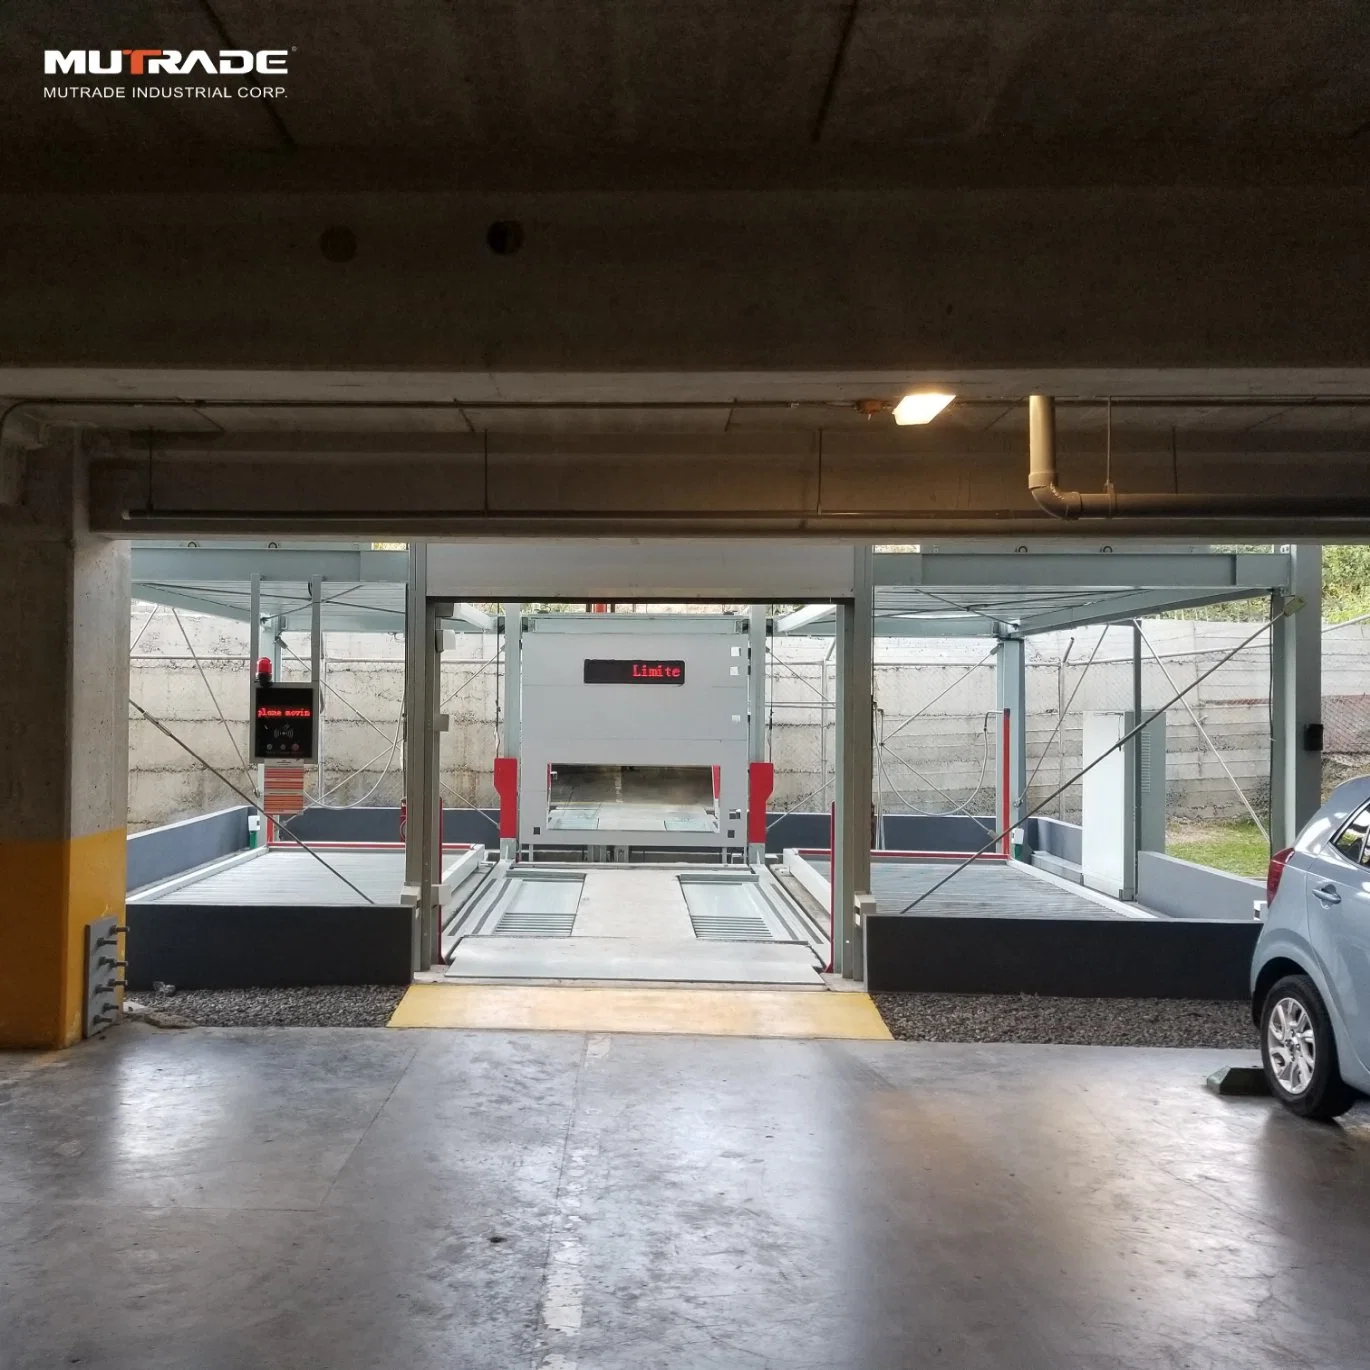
[
  {"x": 1011, "y": 692},
  {"x": 64, "y": 619},
  {"x": 422, "y": 841},
  {"x": 1296, "y": 699},
  {"x": 513, "y": 703},
  {"x": 851, "y": 865}
]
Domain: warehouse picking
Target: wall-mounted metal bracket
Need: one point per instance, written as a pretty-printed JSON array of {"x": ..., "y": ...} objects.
[{"x": 104, "y": 975}]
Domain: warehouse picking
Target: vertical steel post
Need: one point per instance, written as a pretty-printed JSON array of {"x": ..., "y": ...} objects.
[
  {"x": 851, "y": 864},
  {"x": 254, "y": 651},
  {"x": 1296, "y": 698},
  {"x": 1132, "y": 861},
  {"x": 1011, "y": 690},
  {"x": 254, "y": 632},
  {"x": 513, "y": 704},
  {"x": 316, "y": 678},
  {"x": 420, "y": 780}
]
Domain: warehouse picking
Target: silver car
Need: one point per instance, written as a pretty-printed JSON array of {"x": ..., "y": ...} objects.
[{"x": 1310, "y": 975}]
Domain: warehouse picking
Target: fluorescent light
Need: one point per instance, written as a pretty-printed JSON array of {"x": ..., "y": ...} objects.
[{"x": 921, "y": 407}]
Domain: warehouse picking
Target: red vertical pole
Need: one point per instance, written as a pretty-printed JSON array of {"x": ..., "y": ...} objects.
[{"x": 1005, "y": 786}]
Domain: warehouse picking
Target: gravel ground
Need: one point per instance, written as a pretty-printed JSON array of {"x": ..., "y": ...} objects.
[
  {"x": 1081, "y": 1022},
  {"x": 313, "y": 1006}
]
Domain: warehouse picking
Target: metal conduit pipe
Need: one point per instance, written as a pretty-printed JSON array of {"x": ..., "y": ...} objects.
[{"x": 1108, "y": 503}]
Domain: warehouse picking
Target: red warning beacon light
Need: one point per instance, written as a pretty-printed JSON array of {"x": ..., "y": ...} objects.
[{"x": 264, "y": 671}]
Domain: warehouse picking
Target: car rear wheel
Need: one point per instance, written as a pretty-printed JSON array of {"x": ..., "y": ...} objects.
[{"x": 1299, "y": 1052}]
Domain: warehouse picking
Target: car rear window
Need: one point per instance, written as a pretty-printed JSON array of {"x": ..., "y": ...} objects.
[{"x": 1351, "y": 839}]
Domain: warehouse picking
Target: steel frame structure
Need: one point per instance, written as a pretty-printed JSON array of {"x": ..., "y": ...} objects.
[{"x": 853, "y": 593}]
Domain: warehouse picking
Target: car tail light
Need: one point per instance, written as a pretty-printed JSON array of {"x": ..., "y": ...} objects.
[{"x": 1275, "y": 873}]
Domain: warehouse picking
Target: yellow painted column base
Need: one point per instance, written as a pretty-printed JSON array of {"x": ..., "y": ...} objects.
[{"x": 49, "y": 892}]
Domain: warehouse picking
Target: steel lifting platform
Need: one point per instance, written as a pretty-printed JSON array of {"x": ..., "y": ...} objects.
[
  {"x": 989, "y": 887},
  {"x": 288, "y": 875},
  {"x": 644, "y": 924}
]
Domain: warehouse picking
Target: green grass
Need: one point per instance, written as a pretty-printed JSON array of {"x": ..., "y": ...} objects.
[{"x": 1235, "y": 847}]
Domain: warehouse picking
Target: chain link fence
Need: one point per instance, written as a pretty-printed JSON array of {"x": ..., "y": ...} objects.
[
  {"x": 801, "y": 718},
  {"x": 937, "y": 726},
  {"x": 471, "y": 684},
  {"x": 1217, "y": 754},
  {"x": 1345, "y": 702}
]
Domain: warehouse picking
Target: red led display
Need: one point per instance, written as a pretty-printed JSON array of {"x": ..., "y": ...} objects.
[
  {"x": 602, "y": 671},
  {"x": 283, "y": 723}
]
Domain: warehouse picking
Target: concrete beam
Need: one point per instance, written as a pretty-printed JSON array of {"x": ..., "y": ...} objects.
[
  {"x": 940, "y": 280},
  {"x": 850, "y": 485}
]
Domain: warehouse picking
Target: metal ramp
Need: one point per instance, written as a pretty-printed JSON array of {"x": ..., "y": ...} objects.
[{"x": 646, "y": 924}]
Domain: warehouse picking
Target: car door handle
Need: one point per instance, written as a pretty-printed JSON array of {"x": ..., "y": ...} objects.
[{"x": 1327, "y": 893}]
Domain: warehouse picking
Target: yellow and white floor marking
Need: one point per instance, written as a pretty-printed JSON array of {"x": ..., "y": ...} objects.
[{"x": 701, "y": 1012}]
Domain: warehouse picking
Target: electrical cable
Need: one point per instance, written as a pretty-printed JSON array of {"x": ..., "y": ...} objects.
[
  {"x": 147, "y": 623},
  {"x": 964, "y": 808},
  {"x": 1061, "y": 717},
  {"x": 1203, "y": 733},
  {"x": 965, "y": 675},
  {"x": 213, "y": 699},
  {"x": 389, "y": 761},
  {"x": 355, "y": 771}
]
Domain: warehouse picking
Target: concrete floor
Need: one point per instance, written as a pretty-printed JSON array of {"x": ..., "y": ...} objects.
[{"x": 333, "y": 1200}]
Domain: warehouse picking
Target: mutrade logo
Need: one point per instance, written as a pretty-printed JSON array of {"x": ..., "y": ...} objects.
[
  {"x": 138, "y": 70},
  {"x": 165, "y": 62}
]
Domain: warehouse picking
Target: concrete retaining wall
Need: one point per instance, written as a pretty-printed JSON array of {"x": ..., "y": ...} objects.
[
  {"x": 1114, "y": 958},
  {"x": 1185, "y": 890},
  {"x": 208, "y": 946}
]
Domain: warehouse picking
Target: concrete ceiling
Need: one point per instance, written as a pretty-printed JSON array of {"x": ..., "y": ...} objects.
[{"x": 1041, "y": 83}]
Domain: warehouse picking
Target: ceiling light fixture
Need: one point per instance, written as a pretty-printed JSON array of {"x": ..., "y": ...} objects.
[{"x": 921, "y": 407}]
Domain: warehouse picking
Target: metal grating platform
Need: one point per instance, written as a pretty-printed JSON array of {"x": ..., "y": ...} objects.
[
  {"x": 730, "y": 928},
  {"x": 279, "y": 875},
  {"x": 984, "y": 889},
  {"x": 531, "y": 923},
  {"x": 624, "y": 958}
]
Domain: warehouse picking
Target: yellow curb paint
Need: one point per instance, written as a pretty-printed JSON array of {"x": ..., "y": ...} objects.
[
  {"x": 49, "y": 891},
  {"x": 699, "y": 1012}
]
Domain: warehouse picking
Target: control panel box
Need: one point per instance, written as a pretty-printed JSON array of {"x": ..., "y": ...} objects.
[{"x": 285, "y": 723}]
